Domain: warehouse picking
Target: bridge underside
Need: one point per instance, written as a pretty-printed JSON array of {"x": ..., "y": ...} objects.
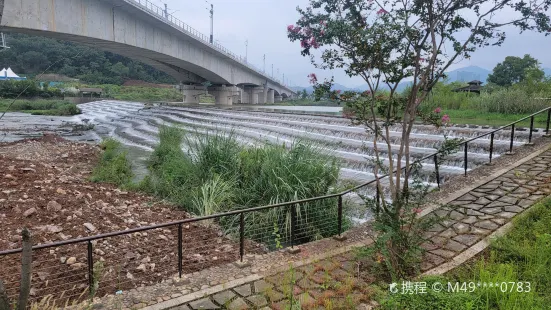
[{"x": 125, "y": 28}]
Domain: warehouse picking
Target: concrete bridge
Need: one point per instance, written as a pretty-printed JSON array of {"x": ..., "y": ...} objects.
[{"x": 142, "y": 31}]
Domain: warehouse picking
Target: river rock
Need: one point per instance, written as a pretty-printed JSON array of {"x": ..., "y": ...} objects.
[
  {"x": 141, "y": 267},
  {"x": 71, "y": 260},
  {"x": 54, "y": 206},
  {"x": 29, "y": 212},
  {"x": 90, "y": 227}
]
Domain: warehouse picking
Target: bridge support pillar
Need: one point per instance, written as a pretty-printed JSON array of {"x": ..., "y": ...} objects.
[
  {"x": 223, "y": 95},
  {"x": 278, "y": 98},
  {"x": 191, "y": 93},
  {"x": 270, "y": 96},
  {"x": 263, "y": 96},
  {"x": 253, "y": 96}
]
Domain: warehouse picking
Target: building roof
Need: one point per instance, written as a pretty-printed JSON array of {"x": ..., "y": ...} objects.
[
  {"x": 91, "y": 90},
  {"x": 475, "y": 82}
]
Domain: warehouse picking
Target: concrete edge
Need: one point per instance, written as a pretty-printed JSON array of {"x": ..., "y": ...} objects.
[
  {"x": 454, "y": 195},
  {"x": 470, "y": 252},
  {"x": 238, "y": 282}
]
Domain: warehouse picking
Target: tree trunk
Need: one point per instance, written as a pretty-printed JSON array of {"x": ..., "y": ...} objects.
[
  {"x": 26, "y": 261},
  {"x": 4, "y": 301}
]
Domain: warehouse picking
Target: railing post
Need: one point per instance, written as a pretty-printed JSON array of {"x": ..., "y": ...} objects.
[
  {"x": 241, "y": 235},
  {"x": 377, "y": 197},
  {"x": 293, "y": 250},
  {"x": 512, "y": 138},
  {"x": 491, "y": 147},
  {"x": 548, "y": 121},
  {"x": 339, "y": 237},
  {"x": 466, "y": 158},
  {"x": 531, "y": 130},
  {"x": 436, "y": 170},
  {"x": 180, "y": 254},
  {"x": 90, "y": 269}
]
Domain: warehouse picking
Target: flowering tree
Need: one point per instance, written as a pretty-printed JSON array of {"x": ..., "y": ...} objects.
[{"x": 391, "y": 41}]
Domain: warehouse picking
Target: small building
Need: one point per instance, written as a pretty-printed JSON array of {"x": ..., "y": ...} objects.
[
  {"x": 472, "y": 87},
  {"x": 91, "y": 92}
]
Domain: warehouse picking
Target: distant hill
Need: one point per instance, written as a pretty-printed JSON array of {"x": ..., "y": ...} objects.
[{"x": 464, "y": 75}]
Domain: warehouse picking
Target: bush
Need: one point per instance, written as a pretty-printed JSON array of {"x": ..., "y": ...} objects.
[
  {"x": 217, "y": 174},
  {"x": 113, "y": 166}
]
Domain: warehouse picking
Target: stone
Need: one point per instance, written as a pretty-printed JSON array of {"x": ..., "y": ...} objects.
[
  {"x": 487, "y": 224},
  {"x": 258, "y": 301},
  {"x": 71, "y": 260},
  {"x": 306, "y": 300},
  {"x": 78, "y": 265},
  {"x": 469, "y": 219},
  {"x": 480, "y": 231},
  {"x": 203, "y": 304},
  {"x": 474, "y": 213},
  {"x": 492, "y": 197},
  {"x": 454, "y": 215},
  {"x": 467, "y": 197},
  {"x": 53, "y": 206},
  {"x": 223, "y": 297},
  {"x": 129, "y": 276},
  {"x": 473, "y": 206},
  {"x": 499, "y": 221},
  {"x": 29, "y": 212},
  {"x": 146, "y": 259},
  {"x": 28, "y": 170},
  {"x": 238, "y": 304},
  {"x": 488, "y": 210},
  {"x": 42, "y": 275},
  {"x": 244, "y": 290},
  {"x": 443, "y": 253},
  {"x": 61, "y": 191},
  {"x": 497, "y": 204},
  {"x": 482, "y": 201},
  {"x": 63, "y": 259},
  {"x": 448, "y": 233},
  {"x": 434, "y": 259},
  {"x": 461, "y": 228},
  {"x": 274, "y": 295},
  {"x": 508, "y": 199},
  {"x": 515, "y": 209},
  {"x": 454, "y": 246},
  {"x": 141, "y": 267},
  {"x": 507, "y": 215},
  {"x": 90, "y": 227},
  {"x": 467, "y": 239},
  {"x": 261, "y": 286}
]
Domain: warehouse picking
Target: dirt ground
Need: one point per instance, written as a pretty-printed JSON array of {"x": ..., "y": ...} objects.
[{"x": 44, "y": 188}]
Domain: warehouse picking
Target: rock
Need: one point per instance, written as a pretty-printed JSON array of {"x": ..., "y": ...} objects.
[
  {"x": 71, "y": 260},
  {"x": 129, "y": 276},
  {"x": 50, "y": 228},
  {"x": 63, "y": 237},
  {"x": 9, "y": 176},
  {"x": 53, "y": 206},
  {"x": 99, "y": 252},
  {"x": 63, "y": 259},
  {"x": 29, "y": 212},
  {"x": 141, "y": 267},
  {"x": 146, "y": 259},
  {"x": 78, "y": 265},
  {"x": 61, "y": 191},
  {"x": 152, "y": 266},
  {"x": 90, "y": 227},
  {"x": 65, "y": 155},
  {"x": 163, "y": 237},
  {"x": 28, "y": 170}
]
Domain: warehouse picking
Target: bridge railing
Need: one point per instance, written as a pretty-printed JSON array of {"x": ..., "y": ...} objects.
[{"x": 159, "y": 12}]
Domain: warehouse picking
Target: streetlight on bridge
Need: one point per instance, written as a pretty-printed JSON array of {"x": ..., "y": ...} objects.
[
  {"x": 211, "y": 21},
  {"x": 246, "y": 49}
]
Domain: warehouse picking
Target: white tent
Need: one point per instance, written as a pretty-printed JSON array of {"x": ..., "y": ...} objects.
[{"x": 9, "y": 74}]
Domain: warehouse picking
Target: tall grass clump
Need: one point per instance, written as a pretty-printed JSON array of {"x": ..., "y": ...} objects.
[
  {"x": 217, "y": 174},
  {"x": 113, "y": 166},
  {"x": 509, "y": 101}
]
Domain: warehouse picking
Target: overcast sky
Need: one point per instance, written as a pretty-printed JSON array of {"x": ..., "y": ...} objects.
[{"x": 263, "y": 23}]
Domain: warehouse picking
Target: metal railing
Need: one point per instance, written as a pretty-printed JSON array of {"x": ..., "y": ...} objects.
[
  {"x": 186, "y": 254},
  {"x": 152, "y": 9}
]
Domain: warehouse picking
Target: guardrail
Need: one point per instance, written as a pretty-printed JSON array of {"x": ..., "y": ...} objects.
[
  {"x": 148, "y": 7},
  {"x": 181, "y": 246}
]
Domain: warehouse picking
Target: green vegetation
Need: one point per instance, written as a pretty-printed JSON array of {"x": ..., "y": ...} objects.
[
  {"x": 26, "y": 89},
  {"x": 514, "y": 70},
  {"x": 217, "y": 175},
  {"x": 522, "y": 255},
  {"x": 113, "y": 166},
  {"x": 40, "y": 107},
  {"x": 31, "y": 55},
  {"x": 138, "y": 93}
]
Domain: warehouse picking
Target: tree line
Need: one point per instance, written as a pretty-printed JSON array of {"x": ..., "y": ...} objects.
[{"x": 31, "y": 55}]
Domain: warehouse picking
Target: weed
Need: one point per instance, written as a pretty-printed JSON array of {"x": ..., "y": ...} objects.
[{"x": 113, "y": 166}]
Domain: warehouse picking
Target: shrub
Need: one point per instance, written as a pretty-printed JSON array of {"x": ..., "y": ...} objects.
[
  {"x": 113, "y": 166},
  {"x": 217, "y": 174}
]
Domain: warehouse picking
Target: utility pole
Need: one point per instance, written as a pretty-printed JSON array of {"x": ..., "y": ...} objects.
[
  {"x": 166, "y": 10},
  {"x": 211, "y": 11},
  {"x": 264, "y": 70},
  {"x": 246, "y": 49},
  {"x": 283, "y": 78},
  {"x": 272, "y": 70}
]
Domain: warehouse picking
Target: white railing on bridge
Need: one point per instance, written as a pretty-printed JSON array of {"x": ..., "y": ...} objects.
[{"x": 151, "y": 8}]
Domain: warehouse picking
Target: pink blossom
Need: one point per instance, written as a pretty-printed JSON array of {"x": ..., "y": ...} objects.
[
  {"x": 338, "y": 91},
  {"x": 304, "y": 44},
  {"x": 323, "y": 23},
  {"x": 382, "y": 11},
  {"x": 314, "y": 43},
  {"x": 445, "y": 118},
  {"x": 290, "y": 28},
  {"x": 313, "y": 78},
  {"x": 437, "y": 110},
  {"x": 308, "y": 32},
  {"x": 322, "y": 32}
]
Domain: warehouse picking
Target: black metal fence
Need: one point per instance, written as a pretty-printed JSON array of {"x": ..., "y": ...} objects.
[{"x": 105, "y": 263}]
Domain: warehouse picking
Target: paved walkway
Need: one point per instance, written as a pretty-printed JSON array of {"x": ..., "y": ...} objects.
[{"x": 326, "y": 271}]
